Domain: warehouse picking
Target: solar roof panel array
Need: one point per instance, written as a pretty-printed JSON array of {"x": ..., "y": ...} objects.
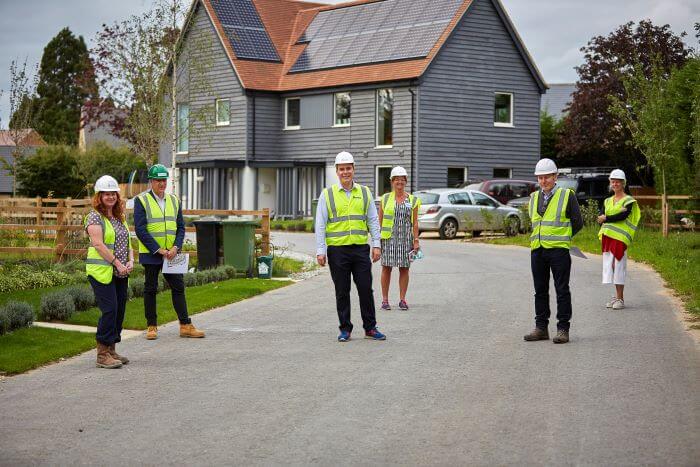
[
  {"x": 374, "y": 32},
  {"x": 244, "y": 30}
]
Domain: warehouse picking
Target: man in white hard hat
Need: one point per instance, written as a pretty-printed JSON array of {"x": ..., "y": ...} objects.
[
  {"x": 344, "y": 216},
  {"x": 556, "y": 218}
]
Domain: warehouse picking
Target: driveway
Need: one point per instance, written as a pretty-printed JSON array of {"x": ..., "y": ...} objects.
[{"x": 454, "y": 384}]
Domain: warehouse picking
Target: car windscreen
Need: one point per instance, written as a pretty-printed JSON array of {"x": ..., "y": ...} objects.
[
  {"x": 427, "y": 198},
  {"x": 568, "y": 183}
]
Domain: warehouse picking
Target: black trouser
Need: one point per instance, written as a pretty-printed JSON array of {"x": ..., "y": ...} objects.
[
  {"x": 558, "y": 260},
  {"x": 344, "y": 261},
  {"x": 177, "y": 290},
  {"x": 111, "y": 299}
]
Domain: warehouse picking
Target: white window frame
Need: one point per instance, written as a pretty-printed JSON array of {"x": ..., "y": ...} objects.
[
  {"x": 286, "y": 113},
  {"x": 216, "y": 109},
  {"x": 512, "y": 99},
  {"x": 177, "y": 128},
  {"x": 376, "y": 178},
  {"x": 335, "y": 110},
  {"x": 509, "y": 169},
  {"x": 376, "y": 118}
]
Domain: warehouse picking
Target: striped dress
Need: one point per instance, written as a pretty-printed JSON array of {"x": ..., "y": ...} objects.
[{"x": 395, "y": 250}]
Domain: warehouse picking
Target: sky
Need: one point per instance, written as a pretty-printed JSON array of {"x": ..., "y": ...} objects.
[{"x": 552, "y": 30}]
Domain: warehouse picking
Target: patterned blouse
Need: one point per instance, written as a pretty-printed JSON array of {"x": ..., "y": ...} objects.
[
  {"x": 396, "y": 249},
  {"x": 121, "y": 238}
]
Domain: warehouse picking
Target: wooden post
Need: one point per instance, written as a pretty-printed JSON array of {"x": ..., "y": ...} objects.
[
  {"x": 266, "y": 232},
  {"x": 664, "y": 215},
  {"x": 60, "y": 232}
]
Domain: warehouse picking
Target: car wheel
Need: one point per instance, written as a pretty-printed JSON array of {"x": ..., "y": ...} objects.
[
  {"x": 476, "y": 233},
  {"x": 512, "y": 226},
  {"x": 448, "y": 229}
]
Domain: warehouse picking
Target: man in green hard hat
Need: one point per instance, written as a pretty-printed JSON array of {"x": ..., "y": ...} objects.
[{"x": 160, "y": 229}]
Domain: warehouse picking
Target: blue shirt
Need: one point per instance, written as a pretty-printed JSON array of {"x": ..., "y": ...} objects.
[{"x": 322, "y": 220}]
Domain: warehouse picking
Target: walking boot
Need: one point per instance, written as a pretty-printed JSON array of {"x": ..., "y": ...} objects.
[
  {"x": 537, "y": 334},
  {"x": 188, "y": 330},
  {"x": 116, "y": 356},
  {"x": 562, "y": 337},
  {"x": 104, "y": 358},
  {"x": 152, "y": 333}
]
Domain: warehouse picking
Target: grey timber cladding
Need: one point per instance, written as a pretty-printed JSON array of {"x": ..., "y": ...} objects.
[
  {"x": 5, "y": 177},
  {"x": 456, "y": 103},
  {"x": 213, "y": 78}
]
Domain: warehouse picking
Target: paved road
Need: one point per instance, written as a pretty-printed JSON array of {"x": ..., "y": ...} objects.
[{"x": 454, "y": 384}]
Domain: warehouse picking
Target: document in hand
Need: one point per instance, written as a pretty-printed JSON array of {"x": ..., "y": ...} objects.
[
  {"x": 177, "y": 265},
  {"x": 575, "y": 251}
]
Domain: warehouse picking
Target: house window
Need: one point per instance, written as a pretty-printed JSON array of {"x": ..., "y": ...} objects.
[
  {"x": 223, "y": 112},
  {"x": 456, "y": 176},
  {"x": 183, "y": 128},
  {"x": 292, "y": 117},
  {"x": 502, "y": 173},
  {"x": 503, "y": 109},
  {"x": 382, "y": 180},
  {"x": 385, "y": 118},
  {"x": 342, "y": 109}
]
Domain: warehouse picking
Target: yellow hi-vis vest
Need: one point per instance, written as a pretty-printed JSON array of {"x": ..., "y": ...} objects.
[
  {"x": 95, "y": 265},
  {"x": 161, "y": 225},
  {"x": 553, "y": 230},
  {"x": 623, "y": 230},
  {"x": 347, "y": 216},
  {"x": 389, "y": 208}
]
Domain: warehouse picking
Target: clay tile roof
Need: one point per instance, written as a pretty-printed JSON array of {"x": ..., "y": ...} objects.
[{"x": 27, "y": 137}]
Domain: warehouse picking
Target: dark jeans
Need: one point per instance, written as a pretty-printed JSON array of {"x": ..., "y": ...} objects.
[
  {"x": 111, "y": 299},
  {"x": 354, "y": 260},
  {"x": 558, "y": 260},
  {"x": 177, "y": 291}
]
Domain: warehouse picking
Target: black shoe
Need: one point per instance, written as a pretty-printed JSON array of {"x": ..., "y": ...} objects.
[
  {"x": 562, "y": 337},
  {"x": 537, "y": 334}
]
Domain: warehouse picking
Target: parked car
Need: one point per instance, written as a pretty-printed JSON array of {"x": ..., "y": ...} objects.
[
  {"x": 451, "y": 210},
  {"x": 586, "y": 187},
  {"x": 504, "y": 190}
]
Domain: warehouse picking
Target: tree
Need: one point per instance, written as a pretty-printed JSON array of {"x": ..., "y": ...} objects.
[
  {"x": 550, "y": 132},
  {"x": 51, "y": 171},
  {"x": 64, "y": 85},
  {"x": 591, "y": 134},
  {"x": 101, "y": 159}
]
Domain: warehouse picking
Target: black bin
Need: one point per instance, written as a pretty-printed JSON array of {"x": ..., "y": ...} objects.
[{"x": 210, "y": 252}]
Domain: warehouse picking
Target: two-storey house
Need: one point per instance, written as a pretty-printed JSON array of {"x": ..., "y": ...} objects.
[{"x": 444, "y": 88}]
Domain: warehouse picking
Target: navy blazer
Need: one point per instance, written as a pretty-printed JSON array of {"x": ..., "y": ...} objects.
[{"x": 141, "y": 227}]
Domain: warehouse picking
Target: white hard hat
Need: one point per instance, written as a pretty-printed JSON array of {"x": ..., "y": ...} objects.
[
  {"x": 618, "y": 175},
  {"x": 106, "y": 183},
  {"x": 398, "y": 172},
  {"x": 545, "y": 167},
  {"x": 344, "y": 158}
]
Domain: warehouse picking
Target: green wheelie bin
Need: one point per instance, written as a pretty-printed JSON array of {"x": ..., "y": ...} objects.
[{"x": 239, "y": 245}]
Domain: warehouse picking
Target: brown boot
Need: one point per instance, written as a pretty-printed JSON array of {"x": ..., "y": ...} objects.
[
  {"x": 537, "y": 334},
  {"x": 116, "y": 356},
  {"x": 562, "y": 337},
  {"x": 152, "y": 333},
  {"x": 188, "y": 330},
  {"x": 104, "y": 358}
]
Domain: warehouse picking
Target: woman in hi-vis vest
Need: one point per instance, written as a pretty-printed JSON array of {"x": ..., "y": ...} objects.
[
  {"x": 398, "y": 216},
  {"x": 108, "y": 264},
  {"x": 619, "y": 219}
]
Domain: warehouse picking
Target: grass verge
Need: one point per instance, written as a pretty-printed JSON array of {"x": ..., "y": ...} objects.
[
  {"x": 199, "y": 299},
  {"x": 676, "y": 258},
  {"x": 27, "y": 348},
  {"x": 283, "y": 266}
]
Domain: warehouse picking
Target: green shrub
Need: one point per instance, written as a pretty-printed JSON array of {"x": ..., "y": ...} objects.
[
  {"x": 190, "y": 279},
  {"x": 51, "y": 169},
  {"x": 23, "y": 278},
  {"x": 15, "y": 315},
  {"x": 219, "y": 275},
  {"x": 137, "y": 286},
  {"x": 83, "y": 297},
  {"x": 589, "y": 212},
  {"x": 57, "y": 305},
  {"x": 70, "y": 267},
  {"x": 129, "y": 292},
  {"x": 230, "y": 271}
]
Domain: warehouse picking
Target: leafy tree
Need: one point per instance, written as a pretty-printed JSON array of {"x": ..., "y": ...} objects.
[
  {"x": 102, "y": 159},
  {"x": 592, "y": 135},
  {"x": 52, "y": 170},
  {"x": 550, "y": 132},
  {"x": 66, "y": 80}
]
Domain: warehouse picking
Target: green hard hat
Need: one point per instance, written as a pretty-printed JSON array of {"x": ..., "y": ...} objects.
[{"x": 158, "y": 171}]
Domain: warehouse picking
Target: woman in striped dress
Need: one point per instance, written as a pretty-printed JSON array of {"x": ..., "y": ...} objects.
[{"x": 398, "y": 216}]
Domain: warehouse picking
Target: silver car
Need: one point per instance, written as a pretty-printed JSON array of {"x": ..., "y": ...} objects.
[{"x": 451, "y": 210}]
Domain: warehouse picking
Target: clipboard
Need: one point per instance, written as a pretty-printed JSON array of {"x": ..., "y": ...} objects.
[{"x": 177, "y": 265}]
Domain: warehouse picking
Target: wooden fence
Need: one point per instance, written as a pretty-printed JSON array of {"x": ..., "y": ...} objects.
[
  {"x": 666, "y": 211},
  {"x": 61, "y": 220}
]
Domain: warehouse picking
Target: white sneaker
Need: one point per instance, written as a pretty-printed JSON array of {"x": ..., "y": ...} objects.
[
  {"x": 611, "y": 302},
  {"x": 618, "y": 305}
]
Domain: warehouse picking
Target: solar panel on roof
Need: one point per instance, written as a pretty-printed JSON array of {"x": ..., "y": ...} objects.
[
  {"x": 376, "y": 32},
  {"x": 245, "y": 30}
]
